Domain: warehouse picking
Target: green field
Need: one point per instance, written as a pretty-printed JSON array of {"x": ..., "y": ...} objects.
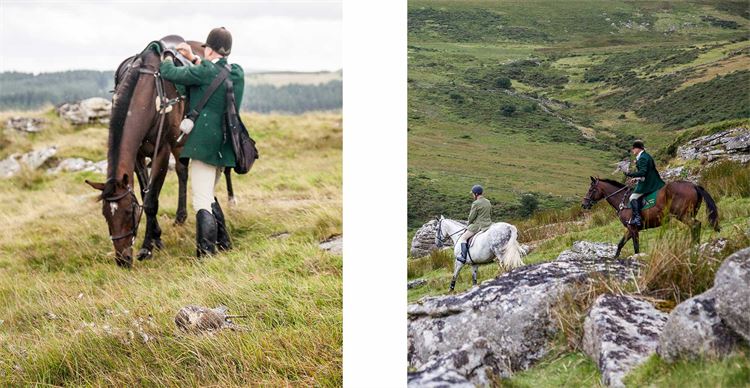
[
  {"x": 69, "y": 316},
  {"x": 586, "y": 78}
]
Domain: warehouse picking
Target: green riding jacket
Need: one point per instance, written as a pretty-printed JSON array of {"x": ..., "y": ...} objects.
[
  {"x": 480, "y": 216},
  {"x": 207, "y": 142},
  {"x": 646, "y": 168}
]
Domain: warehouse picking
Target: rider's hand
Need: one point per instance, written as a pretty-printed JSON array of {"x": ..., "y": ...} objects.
[{"x": 184, "y": 49}]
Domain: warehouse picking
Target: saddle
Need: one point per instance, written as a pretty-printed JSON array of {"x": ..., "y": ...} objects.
[
  {"x": 168, "y": 44},
  {"x": 470, "y": 241}
]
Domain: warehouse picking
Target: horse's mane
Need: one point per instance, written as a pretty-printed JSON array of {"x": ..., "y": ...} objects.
[
  {"x": 120, "y": 107},
  {"x": 613, "y": 183}
]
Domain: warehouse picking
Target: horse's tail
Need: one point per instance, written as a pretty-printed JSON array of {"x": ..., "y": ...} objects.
[
  {"x": 512, "y": 255},
  {"x": 713, "y": 211}
]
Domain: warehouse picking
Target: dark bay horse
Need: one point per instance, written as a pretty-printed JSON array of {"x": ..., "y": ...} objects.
[
  {"x": 133, "y": 133},
  {"x": 681, "y": 199}
]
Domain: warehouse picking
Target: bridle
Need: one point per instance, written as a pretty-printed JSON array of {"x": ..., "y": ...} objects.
[
  {"x": 439, "y": 234},
  {"x": 594, "y": 202},
  {"x": 137, "y": 211}
]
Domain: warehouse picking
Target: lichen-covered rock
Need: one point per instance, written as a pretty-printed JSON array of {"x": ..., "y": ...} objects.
[
  {"x": 694, "y": 329},
  {"x": 465, "y": 367},
  {"x": 619, "y": 333},
  {"x": 197, "y": 318},
  {"x": 415, "y": 283},
  {"x": 424, "y": 240},
  {"x": 732, "y": 144},
  {"x": 512, "y": 311},
  {"x": 32, "y": 160},
  {"x": 334, "y": 245},
  {"x": 732, "y": 292},
  {"x": 25, "y": 124},
  {"x": 90, "y": 110},
  {"x": 78, "y": 164}
]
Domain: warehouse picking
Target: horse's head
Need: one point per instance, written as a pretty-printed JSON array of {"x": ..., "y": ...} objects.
[
  {"x": 594, "y": 194},
  {"x": 439, "y": 232},
  {"x": 123, "y": 214}
]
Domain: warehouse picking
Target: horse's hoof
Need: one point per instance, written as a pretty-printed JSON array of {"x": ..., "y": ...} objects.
[
  {"x": 144, "y": 254},
  {"x": 232, "y": 201},
  {"x": 180, "y": 219}
]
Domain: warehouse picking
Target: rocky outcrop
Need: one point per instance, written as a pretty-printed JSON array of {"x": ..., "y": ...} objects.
[
  {"x": 25, "y": 124},
  {"x": 415, "y": 283},
  {"x": 511, "y": 312},
  {"x": 334, "y": 245},
  {"x": 694, "y": 329},
  {"x": 621, "y": 332},
  {"x": 732, "y": 144},
  {"x": 31, "y": 160},
  {"x": 732, "y": 292},
  {"x": 90, "y": 110},
  {"x": 424, "y": 240},
  {"x": 465, "y": 367},
  {"x": 78, "y": 164}
]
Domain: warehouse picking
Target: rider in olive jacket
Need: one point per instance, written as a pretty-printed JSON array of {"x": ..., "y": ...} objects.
[
  {"x": 649, "y": 181},
  {"x": 480, "y": 218}
]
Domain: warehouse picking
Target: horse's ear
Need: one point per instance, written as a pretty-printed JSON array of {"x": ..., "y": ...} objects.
[
  {"x": 592, "y": 179},
  {"x": 96, "y": 185}
]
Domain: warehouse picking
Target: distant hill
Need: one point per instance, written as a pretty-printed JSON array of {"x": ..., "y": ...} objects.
[
  {"x": 284, "y": 92},
  {"x": 534, "y": 97}
]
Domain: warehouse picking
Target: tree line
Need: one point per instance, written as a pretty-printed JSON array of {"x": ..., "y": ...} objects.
[{"x": 26, "y": 91}]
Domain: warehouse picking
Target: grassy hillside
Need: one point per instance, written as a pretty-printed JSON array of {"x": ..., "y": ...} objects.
[
  {"x": 70, "y": 316},
  {"x": 533, "y": 97}
]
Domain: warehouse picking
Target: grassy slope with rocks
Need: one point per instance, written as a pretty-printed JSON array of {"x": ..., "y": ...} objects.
[
  {"x": 70, "y": 316},
  {"x": 586, "y": 79},
  {"x": 614, "y": 83}
]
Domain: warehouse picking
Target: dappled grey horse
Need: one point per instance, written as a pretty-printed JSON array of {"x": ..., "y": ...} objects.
[{"x": 499, "y": 242}]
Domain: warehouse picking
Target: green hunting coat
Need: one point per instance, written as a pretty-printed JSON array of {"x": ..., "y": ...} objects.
[
  {"x": 480, "y": 216},
  {"x": 207, "y": 141},
  {"x": 646, "y": 168}
]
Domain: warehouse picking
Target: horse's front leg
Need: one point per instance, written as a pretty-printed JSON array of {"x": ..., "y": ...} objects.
[
  {"x": 181, "y": 168},
  {"x": 622, "y": 242},
  {"x": 230, "y": 188},
  {"x": 474, "y": 269},
  {"x": 152, "y": 240},
  {"x": 456, "y": 268},
  {"x": 636, "y": 241}
]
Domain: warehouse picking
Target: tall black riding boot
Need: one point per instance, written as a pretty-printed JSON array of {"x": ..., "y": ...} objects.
[
  {"x": 464, "y": 252},
  {"x": 205, "y": 233},
  {"x": 635, "y": 206},
  {"x": 223, "y": 242}
]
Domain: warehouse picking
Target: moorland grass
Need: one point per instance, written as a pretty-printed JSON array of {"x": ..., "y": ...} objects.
[{"x": 70, "y": 316}]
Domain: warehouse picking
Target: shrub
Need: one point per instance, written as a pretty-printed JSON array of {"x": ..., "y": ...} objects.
[
  {"x": 529, "y": 204},
  {"x": 503, "y": 83},
  {"x": 508, "y": 110}
]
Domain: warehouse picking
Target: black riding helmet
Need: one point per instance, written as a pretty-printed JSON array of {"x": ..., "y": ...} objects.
[{"x": 220, "y": 40}]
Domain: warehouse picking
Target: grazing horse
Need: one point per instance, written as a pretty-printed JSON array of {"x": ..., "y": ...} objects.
[
  {"x": 138, "y": 129},
  {"x": 681, "y": 199},
  {"x": 499, "y": 242}
]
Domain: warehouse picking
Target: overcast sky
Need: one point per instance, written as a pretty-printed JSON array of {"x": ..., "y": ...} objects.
[{"x": 43, "y": 36}]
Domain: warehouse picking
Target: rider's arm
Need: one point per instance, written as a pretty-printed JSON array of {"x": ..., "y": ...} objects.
[
  {"x": 642, "y": 168},
  {"x": 184, "y": 75},
  {"x": 472, "y": 214}
]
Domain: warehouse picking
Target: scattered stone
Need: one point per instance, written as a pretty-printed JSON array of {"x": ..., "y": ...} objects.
[
  {"x": 281, "y": 236},
  {"x": 415, "y": 283},
  {"x": 78, "y": 164},
  {"x": 732, "y": 292},
  {"x": 25, "y": 124},
  {"x": 50, "y": 315},
  {"x": 512, "y": 311},
  {"x": 90, "y": 110},
  {"x": 680, "y": 173},
  {"x": 619, "y": 333},
  {"x": 465, "y": 367},
  {"x": 32, "y": 160},
  {"x": 732, "y": 144},
  {"x": 334, "y": 245},
  {"x": 424, "y": 240},
  {"x": 197, "y": 318},
  {"x": 694, "y": 330}
]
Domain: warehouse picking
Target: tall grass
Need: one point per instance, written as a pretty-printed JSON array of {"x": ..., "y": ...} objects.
[
  {"x": 727, "y": 178},
  {"x": 70, "y": 316}
]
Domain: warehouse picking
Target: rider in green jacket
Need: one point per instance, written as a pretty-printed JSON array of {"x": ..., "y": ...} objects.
[{"x": 648, "y": 179}]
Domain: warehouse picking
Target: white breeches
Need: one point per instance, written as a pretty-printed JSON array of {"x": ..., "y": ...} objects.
[
  {"x": 204, "y": 178},
  {"x": 635, "y": 196},
  {"x": 464, "y": 237}
]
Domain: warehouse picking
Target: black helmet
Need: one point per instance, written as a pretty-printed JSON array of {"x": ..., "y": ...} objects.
[
  {"x": 638, "y": 144},
  {"x": 477, "y": 190},
  {"x": 220, "y": 40}
]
